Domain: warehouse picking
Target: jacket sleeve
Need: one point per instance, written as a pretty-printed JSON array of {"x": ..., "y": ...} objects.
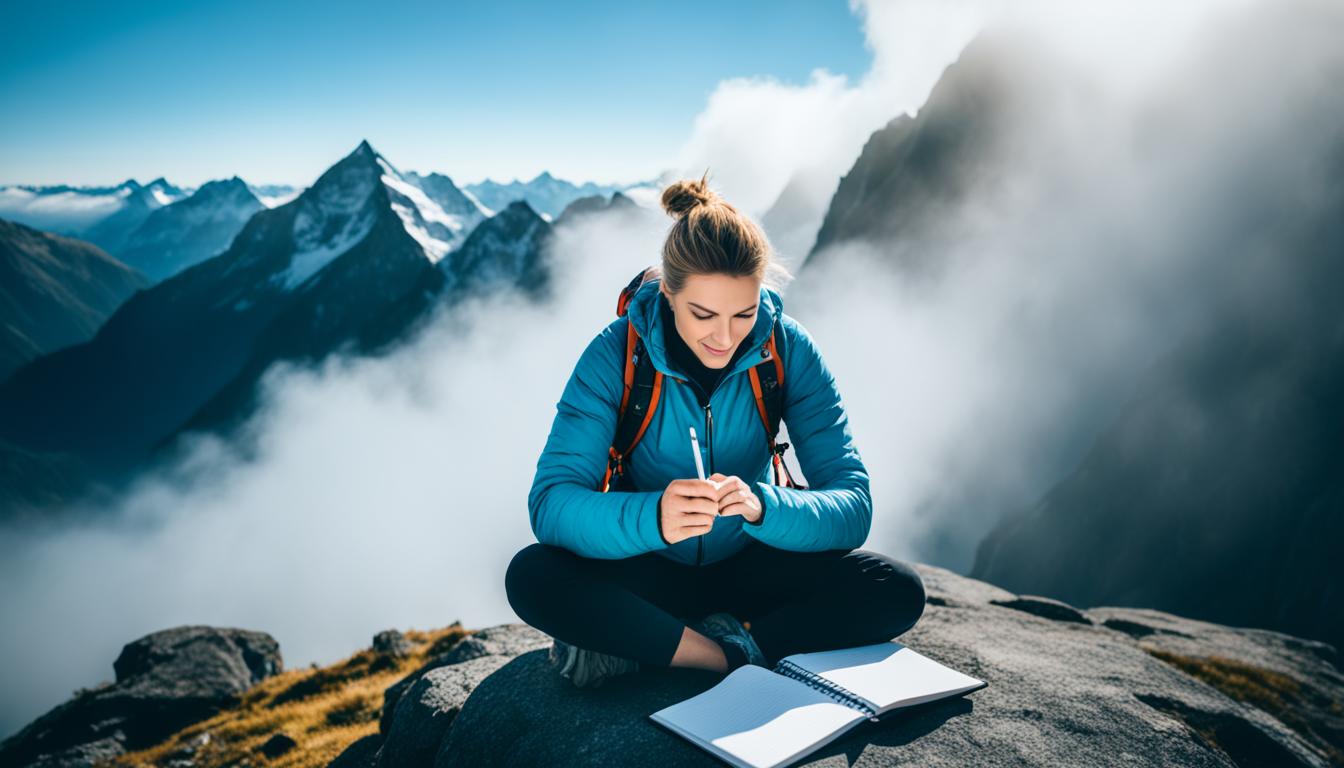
[
  {"x": 564, "y": 505},
  {"x": 836, "y": 510}
]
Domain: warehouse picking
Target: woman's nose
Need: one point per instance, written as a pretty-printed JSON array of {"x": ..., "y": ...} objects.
[{"x": 722, "y": 336}]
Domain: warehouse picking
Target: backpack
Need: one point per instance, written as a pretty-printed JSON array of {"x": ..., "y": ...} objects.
[{"x": 644, "y": 384}]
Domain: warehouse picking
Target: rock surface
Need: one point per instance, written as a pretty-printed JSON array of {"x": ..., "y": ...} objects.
[
  {"x": 164, "y": 681},
  {"x": 419, "y": 709},
  {"x": 1066, "y": 687}
]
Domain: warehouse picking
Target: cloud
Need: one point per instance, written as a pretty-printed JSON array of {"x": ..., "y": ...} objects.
[
  {"x": 757, "y": 133},
  {"x": 387, "y": 492},
  {"x": 1138, "y": 208}
]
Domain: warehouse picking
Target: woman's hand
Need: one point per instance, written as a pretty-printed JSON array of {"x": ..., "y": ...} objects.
[
  {"x": 737, "y": 498},
  {"x": 688, "y": 508}
]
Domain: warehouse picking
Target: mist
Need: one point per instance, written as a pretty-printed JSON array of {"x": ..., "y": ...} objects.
[
  {"x": 372, "y": 494},
  {"x": 1136, "y": 204}
]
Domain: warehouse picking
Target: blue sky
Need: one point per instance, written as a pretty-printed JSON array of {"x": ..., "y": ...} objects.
[{"x": 94, "y": 93}]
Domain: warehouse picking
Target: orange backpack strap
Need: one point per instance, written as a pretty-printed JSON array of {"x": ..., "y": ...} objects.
[
  {"x": 639, "y": 396},
  {"x": 767, "y": 384}
]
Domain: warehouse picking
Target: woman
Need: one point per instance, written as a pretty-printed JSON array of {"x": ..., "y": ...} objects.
[{"x": 716, "y": 573}]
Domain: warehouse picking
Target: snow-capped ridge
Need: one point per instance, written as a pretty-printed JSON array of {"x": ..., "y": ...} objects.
[{"x": 332, "y": 216}]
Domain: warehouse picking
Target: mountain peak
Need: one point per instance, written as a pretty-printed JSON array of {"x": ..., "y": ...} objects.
[
  {"x": 230, "y": 186},
  {"x": 519, "y": 209}
]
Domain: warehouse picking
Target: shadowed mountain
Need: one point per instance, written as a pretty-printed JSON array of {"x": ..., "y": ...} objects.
[
  {"x": 191, "y": 230},
  {"x": 55, "y": 291},
  {"x": 1218, "y": 491},
  {"x": 545, "y": 193},
  {"x": 111, "y": 233},
  {"x": 915, "y": 171},
  {"x": 583, "y": 206}
]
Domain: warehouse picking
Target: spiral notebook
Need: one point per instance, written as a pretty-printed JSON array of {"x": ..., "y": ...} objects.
[{"x": 760, "y": 718}]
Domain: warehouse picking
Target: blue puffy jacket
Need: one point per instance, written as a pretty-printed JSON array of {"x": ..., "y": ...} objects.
[{"x": 567, "y": 510}]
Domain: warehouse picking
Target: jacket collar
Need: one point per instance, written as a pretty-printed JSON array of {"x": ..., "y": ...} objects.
[{"x": 644, "y": 314}]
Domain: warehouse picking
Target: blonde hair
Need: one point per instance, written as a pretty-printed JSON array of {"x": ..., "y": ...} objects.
[{"x": 710, "y": 236}]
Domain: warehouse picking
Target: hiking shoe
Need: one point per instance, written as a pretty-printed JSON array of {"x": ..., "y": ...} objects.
[
  {"x": 585, "y": 668},
  {"x": 724, "y": 628}
]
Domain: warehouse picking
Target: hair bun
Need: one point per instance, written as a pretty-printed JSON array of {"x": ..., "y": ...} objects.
[{"x": 682, "y": 196}]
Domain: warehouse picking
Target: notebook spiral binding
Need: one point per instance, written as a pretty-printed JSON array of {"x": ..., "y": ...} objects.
[{"x": 837, "y": 692}]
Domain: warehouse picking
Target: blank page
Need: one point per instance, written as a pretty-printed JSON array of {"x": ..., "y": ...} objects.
[
  {"x": 887, "y": 675},
  {"x": 754, "y": 717}
]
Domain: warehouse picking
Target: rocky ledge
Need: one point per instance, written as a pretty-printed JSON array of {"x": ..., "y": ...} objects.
[
  {"x": 1067, "y": 686},
  {"x": 1101, "y": 686}
]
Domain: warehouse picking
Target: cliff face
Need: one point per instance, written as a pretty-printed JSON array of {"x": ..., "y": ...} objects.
[{"x": 1066, "y": 687}]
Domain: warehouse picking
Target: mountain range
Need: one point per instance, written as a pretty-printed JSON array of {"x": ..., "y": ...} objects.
[
  {"x": 353, "y": 263},
  {"x": 544, "y": 193}
]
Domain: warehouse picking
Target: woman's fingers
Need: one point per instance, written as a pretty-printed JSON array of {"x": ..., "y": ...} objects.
[
  {"x": 698, "y": 505},
  {"x": 740, "y": 503},
  {"x": 697, "y": 488},
  {"x": 698, "y": 522},
  {"x": 728, "y": 490},
  {"x": 737, "y": 509}
]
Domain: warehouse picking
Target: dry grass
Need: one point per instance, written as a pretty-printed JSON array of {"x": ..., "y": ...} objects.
[
  {"x": 1272, "y": 692},
  {"x": 324, "y": 709}
]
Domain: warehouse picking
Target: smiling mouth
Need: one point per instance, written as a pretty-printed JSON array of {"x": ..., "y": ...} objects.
[{"x": 715, "y": 351}]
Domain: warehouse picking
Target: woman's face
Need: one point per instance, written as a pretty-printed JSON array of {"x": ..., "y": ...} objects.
[{"x": 714, "y": 313}]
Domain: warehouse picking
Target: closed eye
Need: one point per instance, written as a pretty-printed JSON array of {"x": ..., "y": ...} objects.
[
  {"x": 704, "y": 314},
  {"x": 706, "y": 317}
]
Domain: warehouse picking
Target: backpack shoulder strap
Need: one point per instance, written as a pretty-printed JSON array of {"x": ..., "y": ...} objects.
[
  {"x": 639, "y": 397},
  {"x": 767, "y": 384}
]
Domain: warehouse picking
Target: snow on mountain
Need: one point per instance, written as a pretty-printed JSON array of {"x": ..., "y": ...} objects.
[
  {"x": 340, "y": 210},
  {"x": 274, "y": 195},
  {"x": 506, "y": 249},
  {"x": 332, "y": 217},
  {"x": 163, "y": 193},
  {"x": 439, "y": 222},
  {"x": 450, "y": 197}
]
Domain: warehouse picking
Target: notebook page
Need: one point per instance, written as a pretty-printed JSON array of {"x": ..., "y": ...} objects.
[
  {"x": 887, "y": 675},
  {"x": 754, "y": 717}
]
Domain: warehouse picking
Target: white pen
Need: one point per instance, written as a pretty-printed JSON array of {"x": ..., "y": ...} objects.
[{"x": 695, "y": 448}]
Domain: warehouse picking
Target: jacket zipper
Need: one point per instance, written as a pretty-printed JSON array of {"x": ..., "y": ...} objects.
[{"x": 709, "y": 448}]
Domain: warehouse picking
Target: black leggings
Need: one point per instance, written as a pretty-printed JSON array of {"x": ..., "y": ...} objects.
[{"x": 637, "y": 607}]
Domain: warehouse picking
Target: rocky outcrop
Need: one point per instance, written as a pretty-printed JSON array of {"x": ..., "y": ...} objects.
[
  {"x": 1066, "y": 687},
  {"x": 419, "y": 709},
  {"x": 164, "y": 681}
]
